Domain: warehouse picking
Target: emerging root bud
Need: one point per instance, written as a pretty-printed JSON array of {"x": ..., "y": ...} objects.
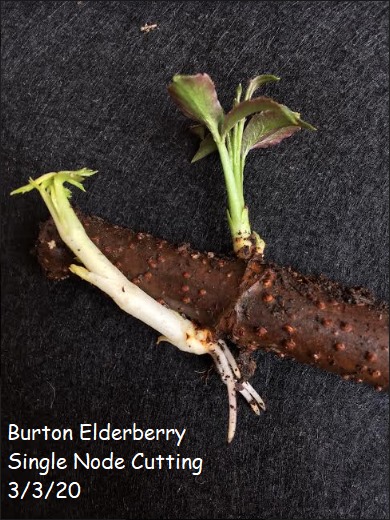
[{"x": 246, "y": 246}]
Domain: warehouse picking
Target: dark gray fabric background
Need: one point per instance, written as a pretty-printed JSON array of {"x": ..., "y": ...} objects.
[{"x": 83, "y": 86}]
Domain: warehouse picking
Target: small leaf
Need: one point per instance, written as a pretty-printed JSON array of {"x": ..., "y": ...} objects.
[
  {"x": 238, "y": 95},
  {"x": 67, "y": 192},
  {"x": 77, "y": 184},
  {"x": 197, "y": 99},
  {"x": 247, "y": 108},
  {"x": 305, "y": 124},
  {"x": 275, "y": 137},
  {"x": 257, "y": 82},
  {"x": 270, "y": 128},
  {"x": 23, "y": 189},
  {"x": 199, "y": 131},
  {"x": 207, "y": 146}
]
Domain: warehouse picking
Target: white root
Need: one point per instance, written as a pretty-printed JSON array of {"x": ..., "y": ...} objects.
[
  {"x": 256, "y": 400},
  {"x": 228, "y": 378},
  {"x": 230, "y": 358},
  {"x": 231, "y": 376}
]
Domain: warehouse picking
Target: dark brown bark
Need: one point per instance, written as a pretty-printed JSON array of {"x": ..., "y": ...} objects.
[
  {"x": 256, "y": 304},
  {"x": 311, "y": 319},
  {"x": 200, "y": 285}
]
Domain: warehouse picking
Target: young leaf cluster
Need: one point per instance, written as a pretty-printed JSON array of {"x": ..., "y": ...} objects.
[{"x": 252, "y": 123}]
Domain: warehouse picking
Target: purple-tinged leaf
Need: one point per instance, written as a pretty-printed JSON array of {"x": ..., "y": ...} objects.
[
  {"x": 199, "y": 131},
  {"x": 270, "y": 127},
  {"x": 257, "y": 82},
  {"x": 274, "y": 138},
  {"x": 197, "y": 99},
  {"x": 207, "y": 146},
  {"x": 249, "y": 107}
]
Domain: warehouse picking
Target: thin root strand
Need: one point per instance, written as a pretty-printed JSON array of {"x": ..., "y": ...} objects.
[{"x": 231, "y": 376}]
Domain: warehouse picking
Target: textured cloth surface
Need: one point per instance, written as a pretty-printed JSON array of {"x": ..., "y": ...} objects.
[{"x": 82, "y": 85}]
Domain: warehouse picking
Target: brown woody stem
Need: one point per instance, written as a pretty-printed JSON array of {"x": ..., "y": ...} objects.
[{"x": 256, "y": 304}]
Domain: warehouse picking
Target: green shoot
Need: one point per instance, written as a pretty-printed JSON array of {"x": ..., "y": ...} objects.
[
  {"x": 233, "y": 136},
  {"x": 99, "y": 271}
]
